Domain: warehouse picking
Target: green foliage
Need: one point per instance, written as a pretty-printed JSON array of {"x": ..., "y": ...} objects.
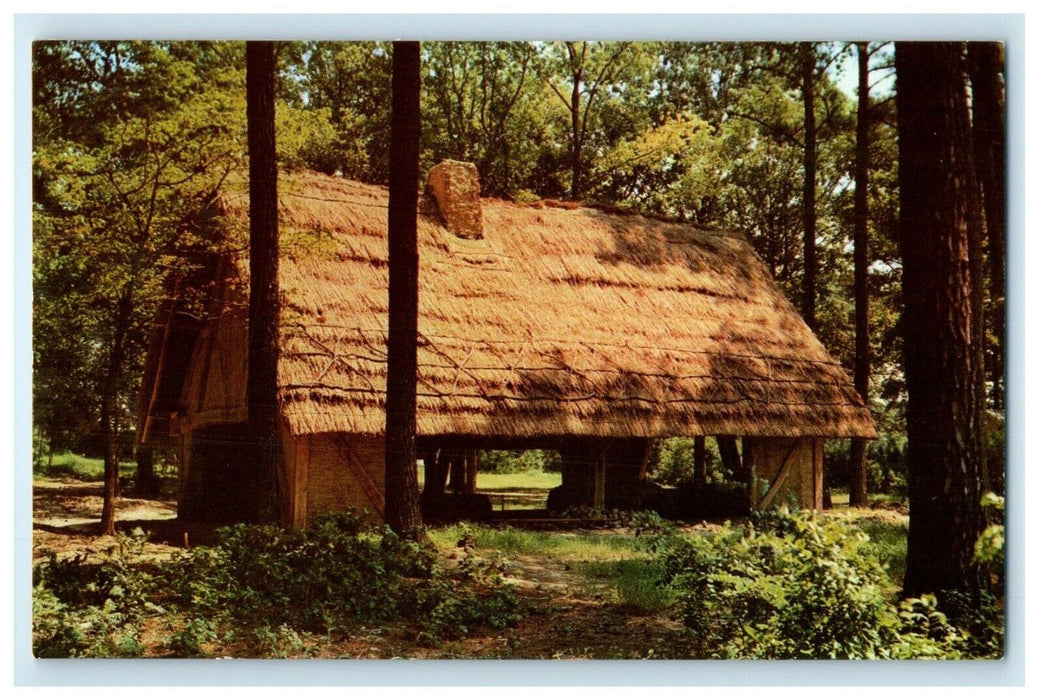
[
  {"x": 922, "y": 631},
  {"x": 990, "y": 547},
  {"x": 83, "y": 609},
  {"x": 131, "y": 143},
  {"x": 334, "y": 575},
  {"x": 674, "y": 465},
  {"x": 308, "y": 139},
  {"x": 189, "y": 640},
  {"x": 349, "y": 84},
  {"x": 638, "y": 582},
  {"x": 795, "y": 586},
  {"x": 887, "y": 543},
  {"x": 266, "y": 589},
  {"x": 74, "y": 466},
  {"x": 519, "y": 461}
]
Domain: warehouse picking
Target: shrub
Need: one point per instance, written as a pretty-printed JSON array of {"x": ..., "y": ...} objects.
[
  {"x": 789, "y": 587},
  {"x": 886, "y": 464},
  {"x": 84, "y": 609},
  {"x": 518, "y": 461},
  {"x": 674, "y": 464},
  {"x": 335, "y": 574},
  {"x": 793, "y": 586}
]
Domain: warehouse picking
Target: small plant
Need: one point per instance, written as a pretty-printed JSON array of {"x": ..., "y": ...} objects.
[{"x": 189, "y": 641}]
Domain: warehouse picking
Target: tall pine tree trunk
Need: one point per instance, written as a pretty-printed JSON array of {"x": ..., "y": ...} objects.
[
  {"x": 809, "y": 65},
  {"x": 402, "y": 507},
  {"x": 989, "y": 142},
  {"x": 858, "y": 448},
  {"x": 264, "y": 305},
  {"x": 945, "y": 460}
]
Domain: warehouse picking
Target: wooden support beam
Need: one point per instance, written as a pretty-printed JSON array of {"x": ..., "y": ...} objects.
[
  {"x": 437, "y": 469},
  {"x": 782, "y": 473},
  {"x": 457, "y": 471},
  {"x": 300, "y": 501},
  {"x": 700, "y": 462},
  {"x": 471, "y": 460},
  {"x": 599, "y": 483}
]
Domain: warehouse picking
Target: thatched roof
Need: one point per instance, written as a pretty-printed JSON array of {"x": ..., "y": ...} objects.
[{"x": 559, "y": 321}]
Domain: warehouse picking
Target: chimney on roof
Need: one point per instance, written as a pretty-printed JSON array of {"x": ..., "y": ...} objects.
[{"x": 454, "y": 187}]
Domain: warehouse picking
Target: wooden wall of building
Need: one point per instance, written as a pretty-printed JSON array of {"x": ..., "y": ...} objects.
[
  {"x": 787, "y": 471},
  {"x": 330, "y": 472}
]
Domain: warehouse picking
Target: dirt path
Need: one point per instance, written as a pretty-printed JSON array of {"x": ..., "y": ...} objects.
[{"x": 66, "y": 515}]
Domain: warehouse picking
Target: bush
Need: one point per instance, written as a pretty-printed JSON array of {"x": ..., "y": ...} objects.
[
  {"x": 789, "y": 587},
  {"x": 262, "y": 588},
  {"x": 796, "y": 587},
  {"x": 331, "y": 576},
  {"x": 84, "y": 609},
  {"x": 674, "y": 464},
  {"x": 516, "y": 461},
  {"x": 887, "y": 457}
]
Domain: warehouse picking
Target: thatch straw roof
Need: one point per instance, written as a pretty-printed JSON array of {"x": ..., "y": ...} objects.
[{"x": 559, "y": 321}]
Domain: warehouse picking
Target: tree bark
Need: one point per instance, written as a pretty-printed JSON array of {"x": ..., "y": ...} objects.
[
  {"x": 945, "y": 460},
  {"x": 986, "y": 62},
  {"x": 809, "y": 64},
  {"x": 402, "y": 506},
  {"x": 858, "y": 448},
  {"x": 264, "y": 304},
  {"x": 575, "y": 127},
  {"x": 110, "y": 431}
]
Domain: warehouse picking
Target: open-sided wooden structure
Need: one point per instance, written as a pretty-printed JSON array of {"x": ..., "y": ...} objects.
[{"x": 545, "y": 325}]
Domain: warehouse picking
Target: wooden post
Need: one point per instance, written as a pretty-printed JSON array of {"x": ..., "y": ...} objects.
[
  {"x": 471, "y": 467},
  {"x": 457, "y": 471},
  {"x": 300, "y": 495},
  {"x": 817, "y": 460},
  {"x": 700, "y": 462},
  {"x": 145, "y": 474},
  {"x": 729, "y": 454},
  {"x": 599, "y": 482},
  {"x": 437, "y": 467}
]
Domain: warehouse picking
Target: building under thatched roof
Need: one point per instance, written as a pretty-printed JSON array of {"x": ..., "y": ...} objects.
[{"x": 552, "y": 326}]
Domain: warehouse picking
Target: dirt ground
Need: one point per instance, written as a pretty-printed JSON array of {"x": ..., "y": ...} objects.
[{"x": 568, "y": 615}]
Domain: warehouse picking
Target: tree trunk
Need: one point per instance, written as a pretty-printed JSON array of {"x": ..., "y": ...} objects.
[
  {"x": 986, "y": 63},
  {"x": 402, "y": 507},
  {"x": 858, "y": 448},
  {"x": 809, "y": 60},
  {"x": 945, "y": 460},
  {"x": 264, "y": 305},
  {"x": 110, "y": 432},
  {"x": 575, "y": 137}
]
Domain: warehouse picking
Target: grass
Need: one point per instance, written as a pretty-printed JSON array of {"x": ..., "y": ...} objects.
[
  {"x": 607, "y": 561},
  {"x": 571, "y": 547},
  {"x": 73, "y": 466},
  {"x": 638, "y": 582},
  {"x": 514, "y": 491},
  {"x": 889, "y": 541}
]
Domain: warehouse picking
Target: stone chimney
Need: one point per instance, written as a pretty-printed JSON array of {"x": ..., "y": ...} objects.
[{"x": 454, "y": 187}]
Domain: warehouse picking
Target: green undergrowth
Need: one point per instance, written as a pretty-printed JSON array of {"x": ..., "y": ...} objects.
[
  {"x": 262, "y": 591},
  {"x": 795, "y": 586},
  {"x": 561, "y": 545},
  {"x": 69, "y": 465}
]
